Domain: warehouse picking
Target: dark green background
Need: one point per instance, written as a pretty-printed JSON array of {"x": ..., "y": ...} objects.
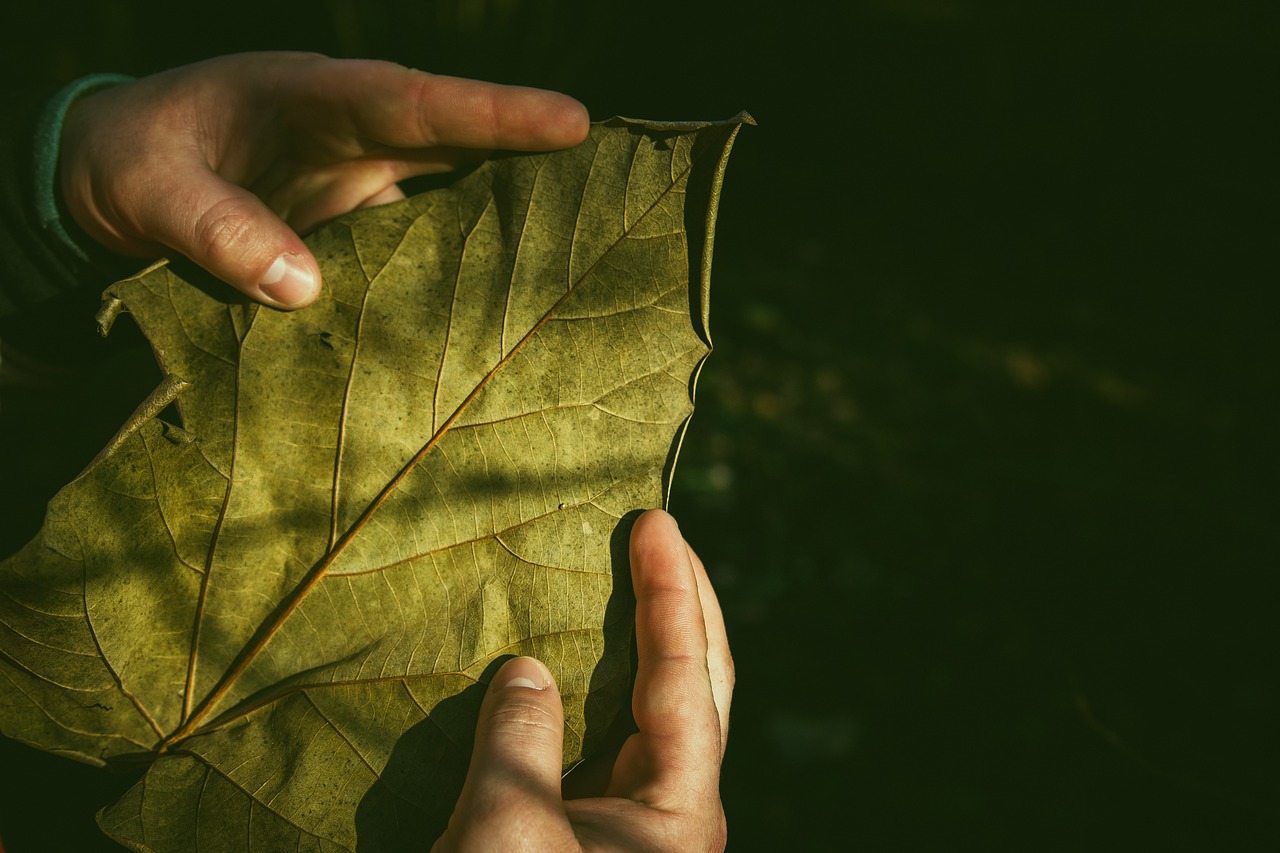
[{"x": 981, "y": 462}]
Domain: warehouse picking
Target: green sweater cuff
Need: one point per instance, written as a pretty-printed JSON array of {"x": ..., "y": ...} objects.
[{"x": 48, "y": 138}]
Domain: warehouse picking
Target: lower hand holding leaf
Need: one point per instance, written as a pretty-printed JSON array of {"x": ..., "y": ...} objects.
[{"x": 663, "y": 793}]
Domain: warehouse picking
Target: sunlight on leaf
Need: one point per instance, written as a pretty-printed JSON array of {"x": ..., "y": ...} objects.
[{"x": 288, "y": 603}]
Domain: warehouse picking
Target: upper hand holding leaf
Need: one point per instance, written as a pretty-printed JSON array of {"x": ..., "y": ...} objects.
[{"x": 227, "y": 160}]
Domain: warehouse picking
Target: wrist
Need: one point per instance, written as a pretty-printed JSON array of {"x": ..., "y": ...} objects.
[{"x": 51, "y": 213}]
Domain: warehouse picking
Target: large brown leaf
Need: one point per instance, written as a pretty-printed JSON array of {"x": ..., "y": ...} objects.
[{"x": 288, "y": 605}]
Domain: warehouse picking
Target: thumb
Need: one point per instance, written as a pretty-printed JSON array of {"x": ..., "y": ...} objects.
[
  {"x": 518, "y": 755},
  {"x": 232, "y": 234}
]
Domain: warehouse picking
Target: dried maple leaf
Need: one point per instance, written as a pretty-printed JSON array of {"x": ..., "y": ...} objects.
[{"x": 283, "y": 604}]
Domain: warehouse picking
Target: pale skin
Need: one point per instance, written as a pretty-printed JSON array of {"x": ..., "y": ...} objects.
[
  {"x": 663, "y": 793},
  {"x": 227, "y": 162}
]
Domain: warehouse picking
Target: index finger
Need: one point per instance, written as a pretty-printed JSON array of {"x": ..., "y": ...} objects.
[
  {"x": 674, "y": 704},
  {"x": 406, "y": 108}
]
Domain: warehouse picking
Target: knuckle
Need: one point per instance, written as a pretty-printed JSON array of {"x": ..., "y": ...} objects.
[
  {"x": 489, "y": 115},
  {"x": 421, "y": 87},
  {"x": 221, "y": 228},
  {"x": 525, "y": 715},
  {"x": 501, "y": 820},
  {"x": 719, "y": 838},
  {"x": 701, "y": 828}
]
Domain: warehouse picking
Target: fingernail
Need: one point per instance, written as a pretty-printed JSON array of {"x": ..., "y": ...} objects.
[
  {"x": 288, "y": 282},
  {"x": 526, "y": 672}
]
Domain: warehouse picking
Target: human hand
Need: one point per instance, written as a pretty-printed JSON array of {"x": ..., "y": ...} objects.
[
  {"x": 664, "y": 791},
  {"x": 228, "y": 160}
]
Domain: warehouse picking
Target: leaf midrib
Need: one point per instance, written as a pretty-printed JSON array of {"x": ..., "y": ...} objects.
[{"x": 268, "y": 629}]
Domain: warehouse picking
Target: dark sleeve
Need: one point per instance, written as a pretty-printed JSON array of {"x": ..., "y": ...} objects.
[
  {"x": 51, "y": 273},
  {"x": 35, "y": 264}
]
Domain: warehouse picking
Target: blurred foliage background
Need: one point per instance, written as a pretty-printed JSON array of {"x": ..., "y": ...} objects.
[{"x": 980, "y": 462}]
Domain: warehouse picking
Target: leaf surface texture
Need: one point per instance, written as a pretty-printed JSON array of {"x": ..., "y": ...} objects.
[{"x": 288, "y": 603}]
